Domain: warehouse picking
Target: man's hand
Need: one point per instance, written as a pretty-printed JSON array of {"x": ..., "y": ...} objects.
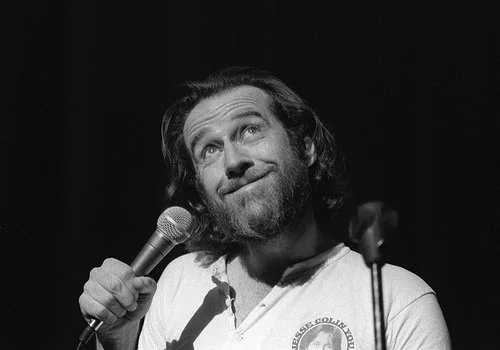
[{"x": 114, "y": 295}]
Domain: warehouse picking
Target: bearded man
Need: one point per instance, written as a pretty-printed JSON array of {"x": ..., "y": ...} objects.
[{"x": 264, "y": 179}]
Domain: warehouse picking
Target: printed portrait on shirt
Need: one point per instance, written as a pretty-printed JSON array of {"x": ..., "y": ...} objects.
[{"x": 322, "y": 337}]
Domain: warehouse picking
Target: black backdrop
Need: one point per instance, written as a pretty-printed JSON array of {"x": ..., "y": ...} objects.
[{"x": 408, "y": 91}]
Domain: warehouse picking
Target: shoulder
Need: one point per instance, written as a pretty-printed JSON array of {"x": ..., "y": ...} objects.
[
  {"x": 395, "y": 278},
  {"x": 401, "y": 287},
  {"x": 411, "y": 310}
]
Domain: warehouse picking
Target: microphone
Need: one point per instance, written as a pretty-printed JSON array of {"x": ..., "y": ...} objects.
[
  {"x": 372, "y": 224},
  {"x": 174, "y": 226}
]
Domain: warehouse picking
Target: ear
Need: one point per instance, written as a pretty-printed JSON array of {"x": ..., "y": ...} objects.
[{"x": 310, "y": 150}]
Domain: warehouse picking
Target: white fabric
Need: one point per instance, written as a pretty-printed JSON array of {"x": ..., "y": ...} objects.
[{"x": 190, "y": 309}]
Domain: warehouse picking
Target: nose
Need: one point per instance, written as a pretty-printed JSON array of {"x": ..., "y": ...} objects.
[{"x": 236, "y": 161}]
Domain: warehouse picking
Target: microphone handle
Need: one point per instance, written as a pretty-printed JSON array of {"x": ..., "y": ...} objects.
[{"x": 150, "y": 255}]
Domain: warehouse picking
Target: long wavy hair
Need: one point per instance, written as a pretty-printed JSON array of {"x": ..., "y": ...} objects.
[{"x": 328, "y": 185}]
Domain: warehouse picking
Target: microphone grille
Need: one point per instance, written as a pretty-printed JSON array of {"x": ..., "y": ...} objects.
[
  {"x": 372, "y": 214},
  {"x": 176, "y": 224}
]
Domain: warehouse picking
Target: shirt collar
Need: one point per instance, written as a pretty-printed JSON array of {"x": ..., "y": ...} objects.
[{"x": 219, "y": 271}]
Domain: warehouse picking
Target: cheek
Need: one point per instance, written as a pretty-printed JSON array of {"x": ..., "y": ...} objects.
[
  {"x": 209, "y": 179},
  {"x": 280, "y": 145},
  {"x": 273, "y": 149}
]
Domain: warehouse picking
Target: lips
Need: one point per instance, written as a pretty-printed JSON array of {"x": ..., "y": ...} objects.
[{"x": 235, "y": 184}]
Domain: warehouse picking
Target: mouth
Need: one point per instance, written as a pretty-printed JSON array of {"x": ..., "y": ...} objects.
[{"x": 233, "y": 187}]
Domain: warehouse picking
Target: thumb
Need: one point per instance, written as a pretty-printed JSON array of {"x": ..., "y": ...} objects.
[
  {"x": 146, "y": 288},
  {"x": 144, "y": 285}
]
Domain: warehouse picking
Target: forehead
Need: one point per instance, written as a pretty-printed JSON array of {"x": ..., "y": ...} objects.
[{"x": 223, "y": 105}]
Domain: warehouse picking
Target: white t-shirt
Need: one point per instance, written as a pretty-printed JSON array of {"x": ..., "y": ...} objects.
[{"x": 331, "y": 310}]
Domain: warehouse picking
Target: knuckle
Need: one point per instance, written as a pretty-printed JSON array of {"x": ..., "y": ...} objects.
[
  {"x": 109, "y": 262},
  {"x": 93, "y": 273},
  {"x": 113, "y": 306},
  {"x": 135, "y": 296},
  {"x": 115, "y": 285},
  {"x": 126, "y": 297},
  {"x": 83, "y": 302},
  {"x": 121, "y": 312},
  {"x": 88, "y": 287},
  {"x": 109, "y": 301},
  {"x": 125, "y": 272},
  {"x": 128, "y": 300},
  {"x": 128, "y": 273},
  {"x": 118, "y": 268},
  {"x": 134, "y": 293},
  {"x": 132, "y": 307}
]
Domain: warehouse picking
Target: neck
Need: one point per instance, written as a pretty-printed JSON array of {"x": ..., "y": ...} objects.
[{"x": 268, "y": 261}]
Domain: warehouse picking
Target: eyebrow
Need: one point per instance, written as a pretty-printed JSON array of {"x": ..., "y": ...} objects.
[{"x": 198, "y": 136}]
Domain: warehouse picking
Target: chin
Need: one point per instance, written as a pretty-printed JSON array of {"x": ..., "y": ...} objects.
[
  {"x": 249, "y": 208},
  {"x": 254, "y": 217},
  {"x": 255, "y": 197},
  {"x": 257, "y": 209}
]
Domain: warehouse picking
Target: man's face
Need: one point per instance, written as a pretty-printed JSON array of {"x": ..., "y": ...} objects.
[
  {"x": 247, "y": 171},
  {"x": 323, "y": 341}
]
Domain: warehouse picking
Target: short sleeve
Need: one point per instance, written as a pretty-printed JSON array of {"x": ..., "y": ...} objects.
[{"x": 419, "y": 325}]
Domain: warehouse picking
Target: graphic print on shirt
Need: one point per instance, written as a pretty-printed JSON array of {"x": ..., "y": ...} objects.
[{"x": 324, "y": 333}]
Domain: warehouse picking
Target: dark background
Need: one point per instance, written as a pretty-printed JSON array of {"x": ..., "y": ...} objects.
[{"x": 407, "y": 89}]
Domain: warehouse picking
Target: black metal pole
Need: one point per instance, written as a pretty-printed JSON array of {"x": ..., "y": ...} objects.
[{"x": 378, "y": 307}]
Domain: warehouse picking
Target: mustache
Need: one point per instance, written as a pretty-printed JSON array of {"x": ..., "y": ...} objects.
[{"x": 250, "y": 175}]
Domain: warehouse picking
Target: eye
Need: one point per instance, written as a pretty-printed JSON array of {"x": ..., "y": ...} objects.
[
  {"x": 209, "y": 151},
  {"x": 251, "y": 129}
]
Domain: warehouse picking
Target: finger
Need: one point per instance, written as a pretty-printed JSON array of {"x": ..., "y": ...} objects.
[
  {"x": 90, "y": 308},
  {"x": 144, "y": 285},
  {"x": 105, "y": 298},
  {"x": 115, "y": 267},
  {"x": 125, "y": 295},
  {"x": 118, "y": 268}
]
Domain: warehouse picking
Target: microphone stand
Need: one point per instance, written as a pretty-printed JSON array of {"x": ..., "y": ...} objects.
[
  {"x": 373, "y": 259},
  {"x": 368, "y": 229}
]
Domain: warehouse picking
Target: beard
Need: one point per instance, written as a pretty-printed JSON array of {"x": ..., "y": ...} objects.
[{"x": 264, "y": 212}]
